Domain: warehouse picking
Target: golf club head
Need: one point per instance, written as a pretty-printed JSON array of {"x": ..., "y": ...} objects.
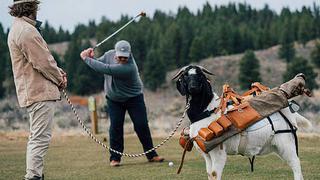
[{"x": 142, "y": 14}]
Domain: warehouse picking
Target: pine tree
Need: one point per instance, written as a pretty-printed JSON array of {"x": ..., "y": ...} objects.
[
  {"x": 92, "y": 28},
  {"x": 82, "y": 79},
  {"x": 316, "y": 12},
  {"x": 72, "y": 61},
  {"x": 249, "y": 70},
  {"x": 186, "y": 30},
  {"x": 204, "y": 44},
  {"x": 247, "y": 40},
  {"x": 3, "y": 61},
  {"x": 224, "y": 41},
  {"x": 62, "y": 35},
  {"x": 49, "y": 33},
  {"x": 170, "y": 47},
  {"x": 197, "y": 49},
  {"x": 287, "y": 50},
  {"x": 305, "y": 30},
  {"x": 301, "y": 65},
  {"x": 88, "y": 81},
  {"x": 7, "y": 86},
  {"x": 154, "y": 72}
]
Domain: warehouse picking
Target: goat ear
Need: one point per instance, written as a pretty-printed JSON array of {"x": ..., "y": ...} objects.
[
  {"x": 181, "y": 87},
  {"x": 206, "y": 83}
]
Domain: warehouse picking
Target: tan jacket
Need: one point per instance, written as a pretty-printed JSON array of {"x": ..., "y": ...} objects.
[{"x": 36, "y": 74}]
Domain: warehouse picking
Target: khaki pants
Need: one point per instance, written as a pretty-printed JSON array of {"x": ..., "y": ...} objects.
[
  {"x": 269, "y": 102},
  {"x": 41, "y": 115}
]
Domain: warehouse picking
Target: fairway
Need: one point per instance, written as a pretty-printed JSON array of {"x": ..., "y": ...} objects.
[{"x": 79, "y": 158}]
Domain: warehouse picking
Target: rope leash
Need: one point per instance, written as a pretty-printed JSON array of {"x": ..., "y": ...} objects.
[{"x": 115, "y": 151}]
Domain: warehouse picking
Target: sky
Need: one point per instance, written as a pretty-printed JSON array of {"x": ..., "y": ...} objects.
[{"x": 69, "y": 13}]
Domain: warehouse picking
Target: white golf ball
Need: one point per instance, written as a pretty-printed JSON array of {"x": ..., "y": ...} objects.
[{"x": 170, "y": 164}]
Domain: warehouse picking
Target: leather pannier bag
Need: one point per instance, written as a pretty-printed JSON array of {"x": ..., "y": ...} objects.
[
  {"x": 206, "y": 134},
  {"x": 243, "y": 116},
  {"x": 183, "y": 141},
  {"x": 224, "y": 122},
  {"x": 216, "y": 128},
  {"x": 200, "y": 143}
]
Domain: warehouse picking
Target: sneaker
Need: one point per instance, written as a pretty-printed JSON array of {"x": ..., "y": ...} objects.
[
  {"x": 114, "y": 163},
  {"x": 156, "y": 159},
  {"x": 36, "y": 178}
]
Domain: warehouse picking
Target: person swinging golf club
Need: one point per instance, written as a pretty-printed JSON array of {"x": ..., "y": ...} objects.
[{"x": 123, "y": 88}]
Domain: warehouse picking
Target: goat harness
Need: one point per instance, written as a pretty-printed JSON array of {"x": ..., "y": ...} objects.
[{"x": 234, "y": 120}]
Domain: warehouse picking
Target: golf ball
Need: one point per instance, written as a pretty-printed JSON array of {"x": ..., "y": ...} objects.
[{"x": 170, "y": 164}]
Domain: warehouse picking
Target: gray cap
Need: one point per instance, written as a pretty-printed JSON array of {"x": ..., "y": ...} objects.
[{"x": 123, "y": 48}]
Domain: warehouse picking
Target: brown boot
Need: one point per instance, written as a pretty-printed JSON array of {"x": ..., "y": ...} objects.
[
  {"x": 294, "y": 87},
  {"x": 156, "y": 159},
  {"x": 114, "y": 163}
]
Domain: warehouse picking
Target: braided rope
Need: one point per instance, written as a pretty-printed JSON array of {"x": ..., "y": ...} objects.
[{"x": 122, "y": 153}]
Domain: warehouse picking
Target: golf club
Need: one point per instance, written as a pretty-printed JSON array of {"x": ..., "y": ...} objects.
[{"x": 142, "y": 14}]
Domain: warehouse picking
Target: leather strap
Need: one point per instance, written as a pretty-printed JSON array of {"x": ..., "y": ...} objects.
[
  {"x": 256, "y": 88},
  {"x": 292, "y": 130},
  {"x": 228, "y": 94},
  {"x": 183, "y": 154}
]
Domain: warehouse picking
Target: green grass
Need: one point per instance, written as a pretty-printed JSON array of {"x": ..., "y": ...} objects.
[{"x": 77, "y": 157}]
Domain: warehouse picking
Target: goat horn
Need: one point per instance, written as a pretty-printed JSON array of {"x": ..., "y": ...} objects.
[
  {"x": 205, "y": 70},
  {"x": 179, "y": 73}
]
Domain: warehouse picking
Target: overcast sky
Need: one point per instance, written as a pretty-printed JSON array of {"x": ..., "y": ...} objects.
[{"x": 68, "y": 13}]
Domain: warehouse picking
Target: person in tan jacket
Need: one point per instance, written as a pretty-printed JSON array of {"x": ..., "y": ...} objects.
[{"x": 37, "y": 78}]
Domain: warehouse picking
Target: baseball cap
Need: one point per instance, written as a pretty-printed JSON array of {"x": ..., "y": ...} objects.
[
  {"x": 123, "y": 48},
  {"x": 24, "y": 1}
]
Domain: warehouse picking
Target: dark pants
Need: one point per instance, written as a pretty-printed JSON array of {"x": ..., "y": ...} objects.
[{"x": 137, "y": 111}]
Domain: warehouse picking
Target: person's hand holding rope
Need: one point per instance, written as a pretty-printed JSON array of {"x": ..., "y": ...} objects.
[{"x": 64, "y": 82}]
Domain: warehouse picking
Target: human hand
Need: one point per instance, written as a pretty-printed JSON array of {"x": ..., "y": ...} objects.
[
  {"x": 91, "y": 52},
  {"x": 87, "y": 53},
  {"x": 62, "y": 72},
  {"x": 64, "y": 82}
]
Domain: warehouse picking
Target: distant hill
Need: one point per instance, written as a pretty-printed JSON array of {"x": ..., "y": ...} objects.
[
  {"x": 59, "y": 48},
  {"x": 271, "y": 67}
]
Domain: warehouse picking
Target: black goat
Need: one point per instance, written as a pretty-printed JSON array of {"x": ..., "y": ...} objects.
[{"x": 192, "y": 82}]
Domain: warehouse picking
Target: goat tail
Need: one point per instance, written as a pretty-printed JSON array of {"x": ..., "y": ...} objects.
[{"x": 303, "y": 122}]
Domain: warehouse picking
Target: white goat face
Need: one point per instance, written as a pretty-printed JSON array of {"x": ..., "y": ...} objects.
[{"x": 192, "y": 71}]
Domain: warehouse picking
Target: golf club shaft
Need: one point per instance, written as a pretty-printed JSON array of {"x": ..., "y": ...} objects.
[{"x": 117, "y": 31}]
